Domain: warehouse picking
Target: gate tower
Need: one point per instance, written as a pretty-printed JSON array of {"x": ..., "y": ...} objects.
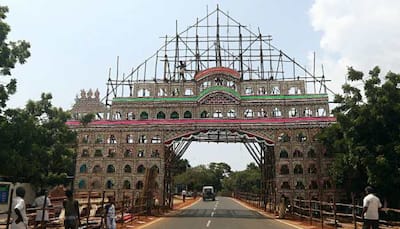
[{"x": 213, "y": 82}]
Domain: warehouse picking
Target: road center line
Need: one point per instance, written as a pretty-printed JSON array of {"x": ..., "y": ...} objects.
[
  {"x": 212, "y": 214},
  {"x": 208, "y": 223}
]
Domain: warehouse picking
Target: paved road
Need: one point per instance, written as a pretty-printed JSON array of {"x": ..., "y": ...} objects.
[{"x": 224, "y": 213}]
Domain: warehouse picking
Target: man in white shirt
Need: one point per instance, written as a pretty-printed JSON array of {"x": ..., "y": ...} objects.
[
  {"x": 183, "y": 195},
  {"x": 40, "y": 201},
  {"x": 18, "y": 212},
  {"x": 371, "y": 206}
]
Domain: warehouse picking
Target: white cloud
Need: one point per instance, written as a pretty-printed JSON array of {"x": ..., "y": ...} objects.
[{"x": 358, "y": 33}]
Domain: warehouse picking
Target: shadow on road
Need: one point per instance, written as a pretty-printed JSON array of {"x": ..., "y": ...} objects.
[{"x": 219, "y": 213}]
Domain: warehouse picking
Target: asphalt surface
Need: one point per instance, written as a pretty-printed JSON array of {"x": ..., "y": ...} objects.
[{"x": 224, "y": 213}]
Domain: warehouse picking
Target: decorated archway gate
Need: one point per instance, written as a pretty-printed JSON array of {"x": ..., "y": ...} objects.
[
  {"x": 210, "y": 83},
  {"x": 259, "y": 148}
]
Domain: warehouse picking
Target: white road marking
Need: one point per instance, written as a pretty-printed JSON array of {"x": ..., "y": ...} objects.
[
  {"x": 214, "y": 209},
  {"x": 208, "y": 223}
]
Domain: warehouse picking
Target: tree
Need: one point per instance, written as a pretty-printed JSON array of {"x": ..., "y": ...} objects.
[
  {"x": 38, "y": 146},
  {"x": 35, "y": 144},
  {"x": 222, "y": 178},
  {"x": 194, "y": 178},
  {"x": 86, "y": 119},
  {"x": 220, "y": 170},
  {"x": 248, "y": 180},
  {"x": 11, "y": 52},
  {"x": 180, "y": 166},
  {"x": 366, "y": 138}
]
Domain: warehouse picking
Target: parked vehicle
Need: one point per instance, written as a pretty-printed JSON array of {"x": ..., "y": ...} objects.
[{"x": 208, "y": 193}]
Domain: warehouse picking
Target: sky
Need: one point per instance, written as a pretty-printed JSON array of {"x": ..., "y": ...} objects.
[{"x": 75, "y": 42}]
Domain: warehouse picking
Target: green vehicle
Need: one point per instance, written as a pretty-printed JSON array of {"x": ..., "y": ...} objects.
[{"x": 208, "y": 193}]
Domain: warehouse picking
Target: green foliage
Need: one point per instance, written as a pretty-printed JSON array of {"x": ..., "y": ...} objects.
[
  {"x": 221, "y": 177},
  {"x": 11, "y": 52},
  {"x": 180, "y": 166},
  {"x": 195, "y": 177},
  {"x": 354, "y": 75},
  {"x": 37, "y": 146},
  {"x": 366, "y": 137},
  {"x": 87, "y": 118},
  {"x": 248, "y": 180},
  {"x": 220, "y": 171}
]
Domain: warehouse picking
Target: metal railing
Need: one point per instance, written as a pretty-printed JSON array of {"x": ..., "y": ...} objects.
[
  {"x": 92, "y": 210},
  {"x": 332, "y": 213}
]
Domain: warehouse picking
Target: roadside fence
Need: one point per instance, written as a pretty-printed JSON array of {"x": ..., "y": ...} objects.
[
  {"x": 320, "y": 212},
  {"x": 92, "y": 210}
]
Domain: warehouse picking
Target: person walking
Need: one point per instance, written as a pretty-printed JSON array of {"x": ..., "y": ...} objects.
[
  {"x": 370, "y": 212},
  {"x": 71, "y": 206},
  {"x": 282, "y": 207},
  {"x": 183, "y": 195},
  {"x": 18, "y": 212},
  {"x": 110, "y": 214},
  {"x": 42, "y": 201}
]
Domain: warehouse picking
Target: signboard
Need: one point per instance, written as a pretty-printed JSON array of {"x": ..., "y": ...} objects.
[{"x": 4, "y": 193}]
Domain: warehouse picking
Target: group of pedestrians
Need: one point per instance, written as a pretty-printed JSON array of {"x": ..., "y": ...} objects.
[
  {"x": 370, "y": 212},
  {"x": 71, "y": 209}
]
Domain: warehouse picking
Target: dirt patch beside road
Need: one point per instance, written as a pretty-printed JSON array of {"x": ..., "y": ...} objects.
[{"x": 141, "y": 221}]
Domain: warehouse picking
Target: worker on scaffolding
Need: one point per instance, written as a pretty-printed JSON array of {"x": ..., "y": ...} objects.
[{"x": 182, "y": 69}]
